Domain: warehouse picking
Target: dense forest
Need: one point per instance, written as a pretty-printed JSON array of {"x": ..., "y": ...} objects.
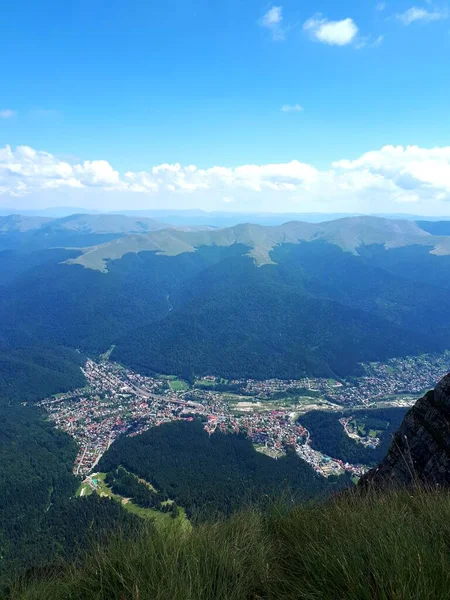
[
  {"x": 328, "y": 435},
  {"x": 128, "y": 485},
  {"x": 40, "y": 520},
  {"x": 211, "y": 475},
  {"x": 33, "y": 373},
  {"x": 295, "y": 317},
  {"x": 214, "y": 311},
  {"x": 288, "y": 319}
]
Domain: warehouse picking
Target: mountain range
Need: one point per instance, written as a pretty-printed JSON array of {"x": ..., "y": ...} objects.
[
  {"x": 78, "y": 230},
  {"x": 249, "y": 301},
  {"x": 246, "y": 301},
  {"x": 197, "y": 217},
  {"x": 349, "y": 234}
]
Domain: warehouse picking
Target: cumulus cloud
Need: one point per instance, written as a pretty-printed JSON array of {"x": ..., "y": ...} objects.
[
  {"x": 414, "y": 14},
  {"x": 377, "y": 181},
  {"x": 272, "y": 20},
  {"x": 7, "y": 113},
  {"x": 337, "y": 33},
  {"x": 410, "y": 168},
  {"x": 291, "y": 108}
]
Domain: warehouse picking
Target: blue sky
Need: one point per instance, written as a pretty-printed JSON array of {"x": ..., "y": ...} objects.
[{"x": 222, "y": 83}]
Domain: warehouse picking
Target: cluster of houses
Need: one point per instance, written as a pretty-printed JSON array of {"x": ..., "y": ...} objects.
[{"x": 119, "y": 401}]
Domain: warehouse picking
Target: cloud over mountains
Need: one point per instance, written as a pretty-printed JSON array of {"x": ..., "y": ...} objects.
[{"x": 387, "y": 177}]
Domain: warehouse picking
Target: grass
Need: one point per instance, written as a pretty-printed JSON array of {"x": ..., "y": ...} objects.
[
  {"x": 205, "y": 383},
  {"x": 178, "y": 385},
  {"x": 84, "y": 490},
  {"x": 384, "y": 547},
  {"x": 156, "y": 516}
]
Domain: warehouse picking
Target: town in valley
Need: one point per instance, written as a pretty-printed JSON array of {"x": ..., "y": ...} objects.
[{"x": 118, "y": 401}]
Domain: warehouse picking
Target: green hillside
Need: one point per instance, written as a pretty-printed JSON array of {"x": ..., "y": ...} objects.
[
  {"x": 392, "y": 547},
  {"x": 348, "y": 234},
  {"x": 40, "y": 520},
  {"x": 31, "y": 373},
  {"x": 328, "y": 435},
  {"x": 209, "y": 308},
  {"x": 212, "y": 476},
  {"x": 291, "y": 318}
]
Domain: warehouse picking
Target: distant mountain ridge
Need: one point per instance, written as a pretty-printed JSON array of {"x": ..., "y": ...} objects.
[
  {"x": 348, "y": 234},
  {"x": 216, "y": 218},
  {"x": 91, "y": 223},
  {"x": 77, "y": 230},
  {"x": 19, "y": 223},
  {"x": 246, "y": 301}
]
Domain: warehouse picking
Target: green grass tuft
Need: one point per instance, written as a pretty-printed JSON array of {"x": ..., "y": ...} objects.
[{"x": 394, "y": 546}]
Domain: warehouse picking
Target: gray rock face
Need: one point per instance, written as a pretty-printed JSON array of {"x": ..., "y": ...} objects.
[{"x": 420, "y": 451}]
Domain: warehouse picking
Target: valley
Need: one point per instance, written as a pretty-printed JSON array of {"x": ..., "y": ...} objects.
[
  {"x": 119, "y": 401},
  {"x": 224, "y": 300}
]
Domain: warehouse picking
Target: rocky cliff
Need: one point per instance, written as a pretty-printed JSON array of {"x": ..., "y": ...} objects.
[{"x": 420, "y": 451}]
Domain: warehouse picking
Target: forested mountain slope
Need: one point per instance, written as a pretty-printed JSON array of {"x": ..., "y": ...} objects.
[
  {"x": 393, "y": 546},
  {"x": 213, "y": 476},
  {"x": 40, "y": 519},
  {"x": 348, "y": 234},
  {"x": 251, "y": 301}
]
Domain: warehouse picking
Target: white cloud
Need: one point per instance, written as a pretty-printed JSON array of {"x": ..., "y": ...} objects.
[
  {"x": 378, "y": 41},
  {"x": 96, "y": 172},
  {"x": 7, "y": 113},
  {"x": 410, "y": 167},
  {"x": 378, "y": 181},
  {"x": 380, "y": 6},
  {"x": 337, "y": 33},
  {"x": 363, "y": 42},
  {"x": 272, "y": 20},
  {"x": 292, "y": 108},
  {"x": 414, "y": 14},
  {"x": 274, "y": 16}
]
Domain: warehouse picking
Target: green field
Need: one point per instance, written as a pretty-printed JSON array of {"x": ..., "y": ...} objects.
[
  {"x": 178, "y": 385},
  {"x": 145, "y": 513},
  {"x": 206, "y": 383},
  {"x": 84, "y": 490}
]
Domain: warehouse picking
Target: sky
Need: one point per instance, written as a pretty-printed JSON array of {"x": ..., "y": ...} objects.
[{"x": 324, "y": 106}]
